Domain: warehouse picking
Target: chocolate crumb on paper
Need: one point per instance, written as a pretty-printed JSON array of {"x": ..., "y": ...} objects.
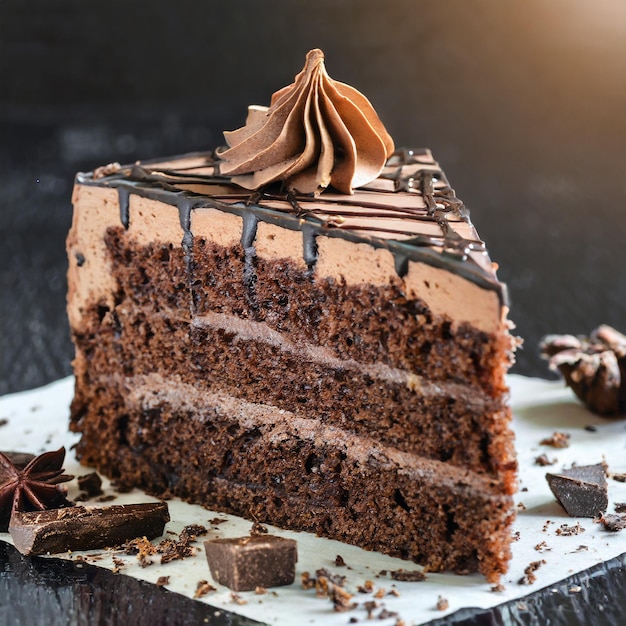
[
  {"x": 565, "y": 530},
  {"x": 529, "y": 573},
  {"x": 203, "y": 588},
  {"x": 557, "y": 440},
  {"x": 543, "y": 460},
  {"x": 613, "y": 523},
  {"x": 442, "y": 604},
  {"x": 162, "y": 581},
  {"x": 408, "y": 575}
]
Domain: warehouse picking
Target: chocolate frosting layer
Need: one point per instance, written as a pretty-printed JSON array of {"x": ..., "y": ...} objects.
[
  {"x": 409, "y": 210},
  {"x": 317, "y": 132}
]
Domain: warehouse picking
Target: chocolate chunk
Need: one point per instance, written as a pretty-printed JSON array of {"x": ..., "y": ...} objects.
[
  {"x": 85, "y": 528},
  {"x": 90, "y": 484},
  {"x": 244, "y": 563},
  {"x": 582, "y": 490}
]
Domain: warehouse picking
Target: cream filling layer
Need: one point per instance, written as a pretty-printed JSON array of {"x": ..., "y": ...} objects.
[
  {"x": 247, "y": 330},
  {"x": 153, "y": 391}
]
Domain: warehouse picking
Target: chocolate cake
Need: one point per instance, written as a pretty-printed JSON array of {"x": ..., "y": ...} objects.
[{"x": 302, "y": 328}]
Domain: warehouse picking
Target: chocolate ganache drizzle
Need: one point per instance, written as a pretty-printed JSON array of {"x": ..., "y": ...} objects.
[{"x": 410, "y": 210}]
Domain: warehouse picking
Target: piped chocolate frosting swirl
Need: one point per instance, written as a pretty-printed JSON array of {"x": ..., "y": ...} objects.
[{"x": 317, "y": 132}]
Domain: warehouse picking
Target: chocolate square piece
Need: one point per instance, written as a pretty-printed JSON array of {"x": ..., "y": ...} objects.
[
  {"x": 582, "y": 490},
  {"x": 245, "y": 563}
]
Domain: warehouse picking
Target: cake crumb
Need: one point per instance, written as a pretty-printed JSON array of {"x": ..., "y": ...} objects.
[
  {"x": 620, "y": 478},
  {"x": 442, "y": 604},
  {"x": 335, "y": 579},
  {"x": 339, "y": 562},
  {"x": 529, "y": 573},
  {"x": 162, "y": 581},
  {"x": 260, "y": 591},
  {"x": 497, "y": 588},
  {"x": 306, "y": 580},
  {"x": 408, "y": 575},
  {"x": 620, "y": 507},
  {"x": 235, "y": 598},
  {"x": 565, "y": 530},
  {"x": 543, "y": 460},
  {"x": 557, "y": 440},
  {"x": 258, "y": 529},
  {"x": 370, "y": 606},
  {"x": 366, "y": 587},
  {"x": 3, "y": 421},
  {"x": 542, "y": 547},
  {"x": 581, "y": 548},
  {"x": 203, "y": 588},
  {"x": 118, "y": 564}
]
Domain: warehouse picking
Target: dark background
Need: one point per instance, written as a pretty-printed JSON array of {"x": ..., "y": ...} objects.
[{"x": 523, "y": 103}]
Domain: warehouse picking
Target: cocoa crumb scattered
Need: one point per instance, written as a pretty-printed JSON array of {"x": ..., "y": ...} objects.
[
  {"x": 366, "y": 587},
  {"x": 620, "y": 507},
  {"x": 203, "y": 588},
  {"x": 516, "y": 536},
  {"x": 529, "y": 573},
  {"x": 235, "y": 598},
  {"x": 162, "y": 581},
  {"x": 565, "y": 530},
  {"x": 386, "y": 614},
  {"x": 143, "y": 548},
  {"x": 542, "y": 547},
  {"x": 341, "y": 599},
  {"x": 118, "y": 564},
  {"x": 613, "y": 523},
  {"x": 335, "y": 579},
  {"x": 258, "y": 529},
  {"x": 306, "y": 580},
  {"x": 216, "y": 521},
  {"x": 497, "y": 588},
  {"x": 260, "y": 591},
  {"x": 620, "y": 478},
  {"x": 591, "y": 428},
  {"x": 171, "y": 550},
  {"x": 543, "y": 460},
  {"x": 442, "y": 604},
  {"x": 557, "y": 440},
  {"x": 370, "y": 606},
  {"x": 3, "y": 421},
  {"x": 380, "y": 593},
  {"x": 393, "y": 592},
  {"x": 339, "y": 562},
  {"x": 408, "y": 575}
]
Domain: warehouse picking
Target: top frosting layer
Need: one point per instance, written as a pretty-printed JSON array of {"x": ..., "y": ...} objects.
[{"x": 317, "y": 132}]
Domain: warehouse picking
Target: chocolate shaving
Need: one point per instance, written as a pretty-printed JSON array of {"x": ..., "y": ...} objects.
[{"x": 90, "y": 485}]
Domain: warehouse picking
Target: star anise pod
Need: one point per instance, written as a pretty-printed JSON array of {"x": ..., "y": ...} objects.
[
  {"x": 34, "y": 487},
  {"x": 594, "y": 367}
]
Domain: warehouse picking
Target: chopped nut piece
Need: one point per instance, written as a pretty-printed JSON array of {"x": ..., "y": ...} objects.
[{"x": 203, "y": 588}]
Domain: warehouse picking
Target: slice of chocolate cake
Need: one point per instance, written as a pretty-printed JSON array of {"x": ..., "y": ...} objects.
[{"x": 322, "y": 360}]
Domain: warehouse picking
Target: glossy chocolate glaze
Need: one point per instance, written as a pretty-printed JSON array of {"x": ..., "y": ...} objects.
[{"x": 323, "y": 214}]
